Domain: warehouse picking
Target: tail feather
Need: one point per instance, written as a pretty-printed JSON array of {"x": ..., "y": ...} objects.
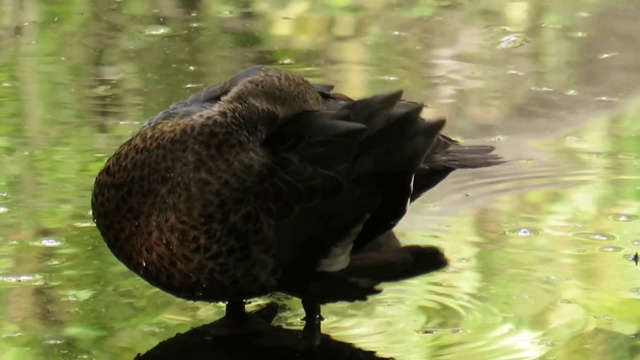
[
  {"x": 446, "y": 156},
  {"x": 463, "y": 157},
  {"x": 373, "y": 111}
]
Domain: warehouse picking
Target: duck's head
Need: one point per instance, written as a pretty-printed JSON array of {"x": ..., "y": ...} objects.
[{"x": 271, "y": 91}]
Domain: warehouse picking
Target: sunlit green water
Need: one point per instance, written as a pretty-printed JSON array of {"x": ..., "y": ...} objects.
[{"x": 540, "y": 247}]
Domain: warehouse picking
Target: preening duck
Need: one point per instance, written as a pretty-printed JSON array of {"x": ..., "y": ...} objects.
[{"x": 266, "y": 183}]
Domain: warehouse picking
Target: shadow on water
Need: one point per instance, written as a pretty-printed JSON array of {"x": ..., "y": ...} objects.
[
  {"x": 540, "y": 248},
  {"x": 264, "y": 341}
]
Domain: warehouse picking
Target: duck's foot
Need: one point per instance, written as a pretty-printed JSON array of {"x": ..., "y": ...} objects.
[
  {"x": 313, "y": 323},
  {"x": 235, "y": 310},
  {"x": 237, "y": 321}
]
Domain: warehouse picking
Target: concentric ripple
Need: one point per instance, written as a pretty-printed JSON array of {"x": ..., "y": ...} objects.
[{"x": 538, "y": 251}]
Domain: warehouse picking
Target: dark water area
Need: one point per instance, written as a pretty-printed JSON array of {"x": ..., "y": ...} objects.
[{"x": 540, "y": 248}]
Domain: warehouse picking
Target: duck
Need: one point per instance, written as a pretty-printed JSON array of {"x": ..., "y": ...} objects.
[{"x": 268, "y": 183}]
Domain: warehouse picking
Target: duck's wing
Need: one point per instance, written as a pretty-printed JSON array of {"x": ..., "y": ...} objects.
[
  {"x": 394, "y": 150},
  {"x": 371, "y": 150},
  {"x": 203, "y": 100}
]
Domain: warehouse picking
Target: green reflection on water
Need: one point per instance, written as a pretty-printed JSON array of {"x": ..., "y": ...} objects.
[{"x": 78, "y": 77}]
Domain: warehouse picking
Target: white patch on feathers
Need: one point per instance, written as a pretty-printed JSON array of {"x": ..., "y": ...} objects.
[{"x": 340, "y": 254}]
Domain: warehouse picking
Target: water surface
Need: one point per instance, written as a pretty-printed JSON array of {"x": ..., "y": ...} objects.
[{"x": 540, "y": 248}]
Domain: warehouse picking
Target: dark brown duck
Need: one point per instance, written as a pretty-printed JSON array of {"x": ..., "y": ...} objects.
[{"x": 269, "y": 183}]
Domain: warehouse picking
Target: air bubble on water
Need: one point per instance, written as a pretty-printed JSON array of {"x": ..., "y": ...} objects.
[
  {"x": 512, "y": 41},
  {"x": 522, "y": 232},
  {"x": 610, "y": 248},
  {"x": 623, "y": 217},
  {"x": 577, "y": 34},
  {"x": 608, "y": 55},
  {"x": 596, "y": 236},
  {"x": 157, "y": 30},
  {"x": 48, "y": 242},
  {"x": 607, "y": 99},
  {"x": 286, "y": 61}
]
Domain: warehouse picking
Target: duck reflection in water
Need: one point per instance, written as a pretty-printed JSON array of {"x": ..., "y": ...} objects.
[
  {"x": 258, "y": 341},
  {"x": 267, "y": 183}
]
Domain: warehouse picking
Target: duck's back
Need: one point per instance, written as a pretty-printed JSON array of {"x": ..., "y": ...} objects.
[{"x": 172, "y": 205}]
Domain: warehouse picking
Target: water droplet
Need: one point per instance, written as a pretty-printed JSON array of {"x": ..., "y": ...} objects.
[
  {"x": 541, "y": 88},
  {"x": 592, "y": 155},
  {"x": 47, "y": 243},
  {"x": 587, "y": 235},
  {"x": 388, "y": 78},
  {"x": 608, "y": 55},
  {"x": 512, "y": 41},
  {"x": 3, "y": 209},
  {"x": 286, "y": 61},
  {"x": 189, "y": 86},
  {"x": 546, "y": 342},
  {"x": 573, "y": 138},
  {"x": 551, "y": 26},
  {"x": 603, "y": 317},
  {"x": 623, "y": 217},
  {"x": 23, "y": 279},
  {"x": 607, "y": 98},
  {"x": 610, "y": 248},
  {"x": 51, "y": 242},
  {"x": 515, "y": 72},
  {"x": 54, "y": 262},
  {"x": 522, "y": 232},
  {"x": 627, "y": 156},
  {"x": 53, "y": 341},
  {"x": 157, "y": 30},
  {"x": 636, "y": 242},
  {"x": 583, "y": 14},
  {"x": 433, "y": 331},
  {"x": 577, "y": 34},
  {"x": 571, "y": 92}
]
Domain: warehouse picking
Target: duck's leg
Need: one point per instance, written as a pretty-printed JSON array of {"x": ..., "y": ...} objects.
[
  {"x": 313, "y": 321},
  {"x": 235, "y": 310}
]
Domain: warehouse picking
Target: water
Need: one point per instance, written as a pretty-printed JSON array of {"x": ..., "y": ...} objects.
[{"x": 541, "y": 248}]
